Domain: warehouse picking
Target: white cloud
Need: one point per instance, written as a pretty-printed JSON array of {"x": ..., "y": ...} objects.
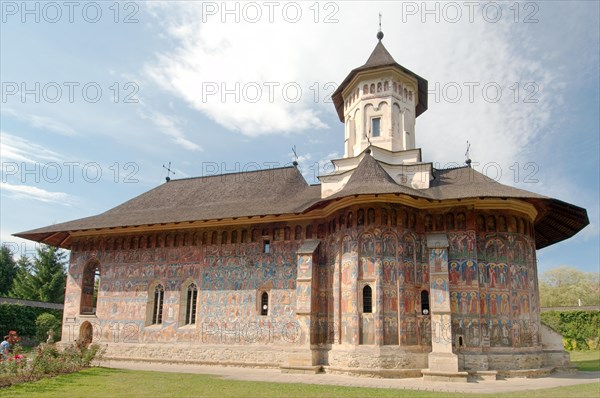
[
  {"x": 261, "y": 81},
  {"x": 41, "y": 122},
  {"x": 17, "y": 149},
  {"x": 219, "y": 55},
  {"x": 29, "y": 192},
  {"x": 170, "y": 126}
]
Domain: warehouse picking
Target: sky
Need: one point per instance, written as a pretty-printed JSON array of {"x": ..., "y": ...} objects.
[{"x": 98, "y": 96}]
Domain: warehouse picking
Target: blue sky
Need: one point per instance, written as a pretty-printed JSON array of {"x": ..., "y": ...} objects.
[{"x": 96, "y": 98}]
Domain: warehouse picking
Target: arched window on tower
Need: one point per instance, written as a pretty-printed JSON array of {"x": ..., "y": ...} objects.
[{"x": 367, "y": 299}]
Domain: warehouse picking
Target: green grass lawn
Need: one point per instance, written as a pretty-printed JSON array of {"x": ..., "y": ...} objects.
[
  {"x": 126, "y": 383},
  {"x": 586, "y": 360}
]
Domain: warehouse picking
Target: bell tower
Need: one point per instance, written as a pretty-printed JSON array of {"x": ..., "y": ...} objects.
[{"x": 379, "y": 103}]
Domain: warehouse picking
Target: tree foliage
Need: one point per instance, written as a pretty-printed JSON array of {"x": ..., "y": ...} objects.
[
  {"x": 43, "y": 324},
  {"x": 8, "y": 270},
  {"x": 22, "y": 318},
  {"x": 42, "y": 279},
  {"x": 565, "y": 286},
  {"x": 580, "y": 329}
]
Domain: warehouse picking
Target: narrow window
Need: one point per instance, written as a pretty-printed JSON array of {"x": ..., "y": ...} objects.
[
  {"x": 264, "y": 303},
  {"x": 425, "y": 302},
  {"x": 367, "y": 300},
  {"x": 375, "y": 127},
  {"x": 190, "y": 309},
  {"x": 159, "y": 295},
  {"x": 267, "y": 246}
]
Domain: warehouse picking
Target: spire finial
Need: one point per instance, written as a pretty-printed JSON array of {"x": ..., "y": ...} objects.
[{"x": 380, "y": 33}]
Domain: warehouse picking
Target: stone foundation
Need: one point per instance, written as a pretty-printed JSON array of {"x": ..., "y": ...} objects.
[
  {"x": 376, "y": 357},
  {"x": 232, "y": 355}
]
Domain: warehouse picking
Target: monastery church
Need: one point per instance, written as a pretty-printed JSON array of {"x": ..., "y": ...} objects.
[{"x": 388, "y": 267}]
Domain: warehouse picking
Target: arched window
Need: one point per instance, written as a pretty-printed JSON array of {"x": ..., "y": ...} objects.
[
  {"x": 428, "y": 223},
  {"x": 349, "y": 221},
  {"x": 298, "y": 233},
  {"x": 384, "y": 217},
  {"x": 244, "y": 237},
  {"x": 190, "y": 304},
  {"x": 491, "y": 224},
  {"x": 365, "y": 89},
  {"x": 360, "y": 218},
  {"x": 370, "y": 216},
  {"x": 213, "y": 238},
  {"x": 367, "y": 300},
  {"x": 379, "y": 87},
  {"x": 224, "y": 238},
  {"x": 372, "y": 88},
  {"x": 234, "y": 236},
  {"x": 157, "y": 309},
  {"x": 461, "y": 221},
  {"x": 309, "y": 232},
  {"x": 425, "y": 302},
  {"x": 502, "y": 224},
  {"x": 264, "y": 303},
  {"x": 449, "y": 221},
  {"x": 89, "y": 288}
]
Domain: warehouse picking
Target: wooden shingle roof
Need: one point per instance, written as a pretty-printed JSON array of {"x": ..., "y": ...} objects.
[{"x": 284, "y": 191}]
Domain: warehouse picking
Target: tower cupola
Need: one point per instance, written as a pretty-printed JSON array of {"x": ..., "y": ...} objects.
[{"x": 379, "y": 102}]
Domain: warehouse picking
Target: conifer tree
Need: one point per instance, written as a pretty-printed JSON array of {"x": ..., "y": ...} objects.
[
  {"x": 42, "y": 279},
  {"x": 8, "y": 269}
]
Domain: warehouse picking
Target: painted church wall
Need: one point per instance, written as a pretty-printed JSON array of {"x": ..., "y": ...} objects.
[{"x": 491, "y": 272}]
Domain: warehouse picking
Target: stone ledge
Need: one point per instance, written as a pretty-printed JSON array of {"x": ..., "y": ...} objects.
[
  {"x": 376, "y": 372},
  {"x": 526, "y": 373},
  {"x": 460, "y": 377},
  {"x": 483, "y": 375},
  {"x": 301, "y": 369},
  {"x": 189, "y": 362}
]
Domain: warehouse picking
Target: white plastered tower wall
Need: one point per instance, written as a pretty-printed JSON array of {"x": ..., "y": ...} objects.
[{"x": 385, "y": 94}]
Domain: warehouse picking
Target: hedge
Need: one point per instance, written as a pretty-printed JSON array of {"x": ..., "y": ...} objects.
[
  {"x": 580, "y": 329},
  {"x": 22, "y": 318}
]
